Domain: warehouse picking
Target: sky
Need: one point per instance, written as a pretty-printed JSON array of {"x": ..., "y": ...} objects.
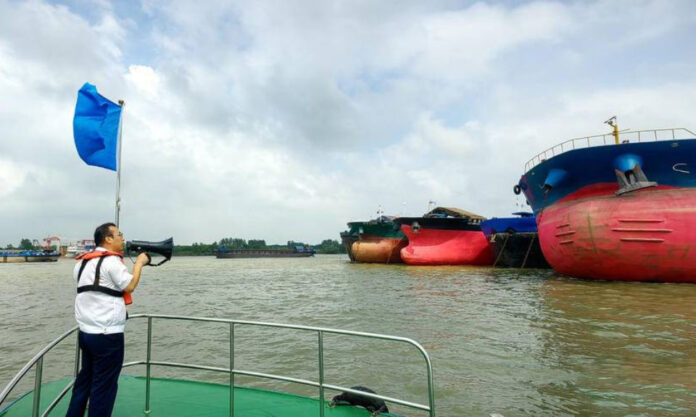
[{"x": 283, "y": 120}]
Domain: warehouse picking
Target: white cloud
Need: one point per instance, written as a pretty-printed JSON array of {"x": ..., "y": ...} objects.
[
  {"x": 284, "y": 120},
  {"x": 144, "y": 79},
  {"x": 12, "y": 177},
  {"x": 459, "y": 44}
]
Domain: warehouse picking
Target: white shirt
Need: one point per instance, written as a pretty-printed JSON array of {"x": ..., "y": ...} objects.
[{"x": 97, "y": 312}]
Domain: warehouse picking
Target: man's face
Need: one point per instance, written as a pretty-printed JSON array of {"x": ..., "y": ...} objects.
[{"x": 115, "y": 239}]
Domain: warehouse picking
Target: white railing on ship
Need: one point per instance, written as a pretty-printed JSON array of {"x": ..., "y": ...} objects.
[
  {"x": 148, "y": 362},
  {"x": 626, "y": 136}
]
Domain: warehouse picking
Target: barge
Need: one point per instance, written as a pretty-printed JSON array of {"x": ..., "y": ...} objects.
[
  {"x": 13, "y": 256},
  {"x": 296, "y": 252},
  {"x": 515, "y": 241}
]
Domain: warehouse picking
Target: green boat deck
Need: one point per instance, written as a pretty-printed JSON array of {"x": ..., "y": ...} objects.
[{"x": 176, "y": 398}]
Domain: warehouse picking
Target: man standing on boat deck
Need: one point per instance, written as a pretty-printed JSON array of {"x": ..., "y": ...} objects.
[{"x": 100, "y": 310}]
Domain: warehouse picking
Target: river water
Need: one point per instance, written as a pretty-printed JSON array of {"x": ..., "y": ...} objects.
[{"x": 517, "y": 343}]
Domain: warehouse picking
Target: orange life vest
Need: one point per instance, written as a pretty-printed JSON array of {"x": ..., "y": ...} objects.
[{"x": 84, "y": 257}]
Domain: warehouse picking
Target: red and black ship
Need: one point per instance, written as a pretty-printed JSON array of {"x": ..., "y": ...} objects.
[{"x": 445, "y": 236}]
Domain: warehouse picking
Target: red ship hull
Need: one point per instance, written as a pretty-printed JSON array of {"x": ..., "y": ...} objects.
[
  {"x": 445, "y": 247},
  {"x": 378, "y": 249},
  {"x": 645, "y": 235}
]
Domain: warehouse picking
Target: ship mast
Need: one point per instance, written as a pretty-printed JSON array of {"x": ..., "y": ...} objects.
[{"x": 612, "y": 122}]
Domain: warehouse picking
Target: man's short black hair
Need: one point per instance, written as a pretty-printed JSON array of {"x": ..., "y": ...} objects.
[{"x": 102, "y": 232}]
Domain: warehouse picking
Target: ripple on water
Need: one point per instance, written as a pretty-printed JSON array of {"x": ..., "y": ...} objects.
[{"x": 518, "y": 343}]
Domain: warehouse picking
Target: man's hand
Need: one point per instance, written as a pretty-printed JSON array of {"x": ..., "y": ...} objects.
[{"x": 142, "y": 259}]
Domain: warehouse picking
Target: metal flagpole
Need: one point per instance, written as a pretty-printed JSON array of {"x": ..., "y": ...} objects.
[{"x": 118, "y": 164}]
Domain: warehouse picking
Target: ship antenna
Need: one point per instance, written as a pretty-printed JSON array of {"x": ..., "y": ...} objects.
[{"x": 612, "y": 122}]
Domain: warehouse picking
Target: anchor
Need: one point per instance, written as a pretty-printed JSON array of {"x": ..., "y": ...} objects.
[{"x": 632, "y": 180}]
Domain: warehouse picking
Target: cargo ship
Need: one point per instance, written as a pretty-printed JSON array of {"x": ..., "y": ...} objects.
[
  {"x": 617, "y": 206},
  {"x": 515, "y": 241},
  {"x": 74, "y": 249},
  {"x": 376, "y": 241},
  {"x": 445, "y": 236},
  {"x": 297, "y": 252}
]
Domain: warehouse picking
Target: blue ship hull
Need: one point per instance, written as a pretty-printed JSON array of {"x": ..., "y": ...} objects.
[
  {"x": 669, "y": 163},
  {"x": 509, "y": 225}
]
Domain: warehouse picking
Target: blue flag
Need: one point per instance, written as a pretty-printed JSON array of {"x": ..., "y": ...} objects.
[{"x": 95, "y": 128}]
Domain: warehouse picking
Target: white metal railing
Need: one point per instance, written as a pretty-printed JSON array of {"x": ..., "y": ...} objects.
[
  {"x": 38, "y": 361},
  {"x": 626, "y": 136},
  {"x": 148, "y": 362}
]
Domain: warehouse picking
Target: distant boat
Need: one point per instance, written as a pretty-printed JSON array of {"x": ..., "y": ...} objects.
[
  {"x": 297, "y": 252},
  {"x": 515, "y": 241},
  {"x": 18, "y": 256},
  {"x": 445, "y": 236},
  {"x": 375, "y": 241},
  {"x": 619, "y": 206},
  {"x": 84, "y": 245}
]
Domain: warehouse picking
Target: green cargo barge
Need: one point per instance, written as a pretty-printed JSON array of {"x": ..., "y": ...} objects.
[{"x": 376, "y": 241}]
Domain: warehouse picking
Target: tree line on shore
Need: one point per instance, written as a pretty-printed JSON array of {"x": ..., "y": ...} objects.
[
  {"x": 24, "y": 244},
  {"x": 327, "y": 246}
]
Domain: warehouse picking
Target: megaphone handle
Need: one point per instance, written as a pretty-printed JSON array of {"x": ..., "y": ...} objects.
[
  {"x": 149, "y": 258},
  {"x": 161, "y": 262}
]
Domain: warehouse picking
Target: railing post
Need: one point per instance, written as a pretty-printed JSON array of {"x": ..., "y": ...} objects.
[
  {"x": 147, "y": 365},
  {"x": 37, "y": 388},
  {"x": 77, "y": 354},
  {"x": 431, "y": 391},
  {"x": 321, "y": 373},
  {"x": 231, "y": 369}
]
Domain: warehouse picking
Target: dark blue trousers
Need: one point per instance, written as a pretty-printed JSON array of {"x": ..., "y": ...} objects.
[{"x": 102, "y": 359}]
